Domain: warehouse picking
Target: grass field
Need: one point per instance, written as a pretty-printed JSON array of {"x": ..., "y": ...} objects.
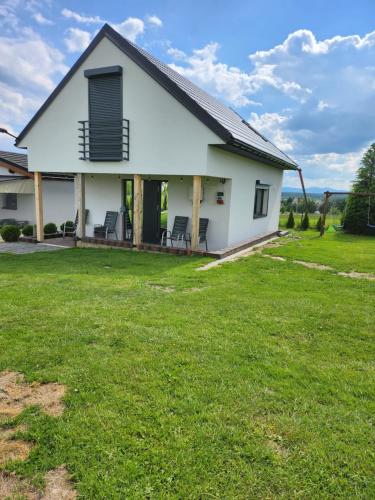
[
  {"x": 313, "y": 218},
  {"x": 251, "y": 380}
]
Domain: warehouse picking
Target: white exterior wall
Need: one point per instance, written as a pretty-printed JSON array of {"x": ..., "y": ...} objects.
[
  {"x": 58, "y": 204},
  {"x": 244, "y": 173},
  {"x": 180, "y": 203},
  {"x": 102, "y": 194},
  {"x": 165, "y": 138}
]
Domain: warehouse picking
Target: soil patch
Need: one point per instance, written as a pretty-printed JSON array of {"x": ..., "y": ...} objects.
[
  {"x": 16, "y": 395},
  {"x": 58, "y": 486},
  {"x": 355, "y": 275},
  {"x": 313, "y": 265},
  {"x": 13, "y": 449}
]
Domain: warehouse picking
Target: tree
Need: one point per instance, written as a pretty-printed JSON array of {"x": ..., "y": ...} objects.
[
  {"x": 305, "y": 223},
  {"x": 357, "y": 207},
  {"x": 319, "y": 224},
  {"x": 290, "y": 222}
]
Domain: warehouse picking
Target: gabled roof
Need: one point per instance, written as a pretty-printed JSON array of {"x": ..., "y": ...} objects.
[
  {"x": 14, "y": 159},
  {"x": 238, "y": 135}
]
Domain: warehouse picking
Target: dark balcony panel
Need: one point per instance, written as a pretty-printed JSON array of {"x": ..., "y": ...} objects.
[{"x": 105, "y": 141}]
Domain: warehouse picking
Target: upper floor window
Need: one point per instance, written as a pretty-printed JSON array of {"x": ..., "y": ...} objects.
[
  {"x": 9, "y": 201},
  {"x": 261, "y": 200},
  {"x": 103, "y": 134}
]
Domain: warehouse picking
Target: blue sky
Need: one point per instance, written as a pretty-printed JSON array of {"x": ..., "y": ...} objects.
[{"x": 301, "y": 72}]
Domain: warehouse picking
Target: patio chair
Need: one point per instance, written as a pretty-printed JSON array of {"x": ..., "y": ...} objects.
[
  {"x": 73, "y": 230},
  {"x": 202, "y": 237},
  {"x": 109, "y": 226},
  {"x": 178, "y": 233},
  {"x": 203, "y": 226}
]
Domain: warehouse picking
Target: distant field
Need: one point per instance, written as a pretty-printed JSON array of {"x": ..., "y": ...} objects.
[{"x": 331, "y": 219}]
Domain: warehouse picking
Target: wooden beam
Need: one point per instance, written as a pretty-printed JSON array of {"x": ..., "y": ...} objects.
[
  {"x": 81, "y": 205},
  {"x": 39, "y": 206},
  {"x": 325, "y": 210},
  {"x": 197, "y": 189},
  {"x": 137, "y": 214}
]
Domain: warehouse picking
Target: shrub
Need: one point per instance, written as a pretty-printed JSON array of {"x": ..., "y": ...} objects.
[
  {"x": 305, "y": 223},
  {"x": 10, "y": 233},
  {"x": 290, "y": 222},
  {"x": 28, "y": 230},
  {"x": 319, "y": 224},
  {"x": 50, "y": 228},
  {"x": 69, "y": 224}
]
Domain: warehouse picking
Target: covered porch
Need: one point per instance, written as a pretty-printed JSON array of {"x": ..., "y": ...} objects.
[{"x": 144, "y": 207}]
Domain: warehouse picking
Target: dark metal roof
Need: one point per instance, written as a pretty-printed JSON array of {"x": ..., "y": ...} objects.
[
  {"x": 240, "y": 137},
  {"x": 15, "y": 159}
]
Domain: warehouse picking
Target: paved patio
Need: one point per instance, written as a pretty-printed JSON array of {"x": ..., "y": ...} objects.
[{"x": 24, "y": 248}]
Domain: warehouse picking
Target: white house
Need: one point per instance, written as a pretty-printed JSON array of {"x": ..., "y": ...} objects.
[
  {"x": 122, "y": 121},
  {"x": 17, "y": 196}
]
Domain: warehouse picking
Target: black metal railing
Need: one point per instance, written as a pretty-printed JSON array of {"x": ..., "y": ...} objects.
[{"x": 104, "y": 141}]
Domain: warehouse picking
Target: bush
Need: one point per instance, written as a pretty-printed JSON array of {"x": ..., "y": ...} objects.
[
  {"x": 50, "y": 228},
  {"x": 69, "y": 224},
  {"x": 28, "y": 230},
  {"x": 290, "y": 222},
  {"x": 10, "y": 233},
  {"x": 305, "y": 223},
  {"x": 319, "y": 224}
]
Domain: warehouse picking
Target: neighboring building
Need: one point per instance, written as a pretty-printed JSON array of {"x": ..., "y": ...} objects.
[
  {"x": 17, "y": 199},
  {"x": 122, "y": 121}
]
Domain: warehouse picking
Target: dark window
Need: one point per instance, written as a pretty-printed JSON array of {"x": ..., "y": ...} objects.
[
  {"x": 105, "y": 117},
  {"x": 261, "y": 200},
  {"x": 10, "y": 201}
]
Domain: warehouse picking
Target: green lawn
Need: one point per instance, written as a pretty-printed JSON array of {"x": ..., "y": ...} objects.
[
  {"x": 343, "y": 252},
  {"x": 251, "y": 380}
]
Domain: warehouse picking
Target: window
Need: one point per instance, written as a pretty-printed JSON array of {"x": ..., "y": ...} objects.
[
  {"x": 10, "y": 201},
  {"x": 261, "y": 200},
  {"x": 105, "y": 113}
]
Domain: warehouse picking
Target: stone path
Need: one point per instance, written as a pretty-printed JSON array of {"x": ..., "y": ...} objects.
[{"x": 24, "y": 248}]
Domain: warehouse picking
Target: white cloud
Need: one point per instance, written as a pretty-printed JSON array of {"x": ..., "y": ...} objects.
[
  {"x": 81, "y": 18},
  {"x": 29, "y": 68},
  {"x": 177, "y": 54},
  {"x": 131, "y": 28},
  {"x": 229, "y": 82},
  {"x": 270, "y": 125},
  {"x": 154, "y": 21},
  {"x": 77, "y": 40},
  {"x": 40, "y": 19}
]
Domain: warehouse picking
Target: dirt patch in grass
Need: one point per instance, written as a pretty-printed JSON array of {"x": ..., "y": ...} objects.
[
  {"x": 313, "y": 265},
  {"x": 277, "y": 447},
  {"x": 58, "y": 486},
  {"x": 355, "y": 275},
  {"x": 162, "y": 288},
  {"x": 16, "y": 395},
  {"x": 13, "y": 449}
]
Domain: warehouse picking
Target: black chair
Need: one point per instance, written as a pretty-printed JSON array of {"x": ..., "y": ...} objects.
[
  {"x": 109, "y": 226},
  {"x": 203, "y": 226},
  {"x": 178, "y": 233},
  {"x": 72, "y": 230},
  {"x": 202, "y": 237}
]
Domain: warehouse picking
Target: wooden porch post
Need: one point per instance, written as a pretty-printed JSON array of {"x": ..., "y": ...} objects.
[
  {"x": 197, "y": 187},
  {"x": 137, "y": 215},
  {"x": 39, "y": 206},
  {"x": 81, "y": 202}
]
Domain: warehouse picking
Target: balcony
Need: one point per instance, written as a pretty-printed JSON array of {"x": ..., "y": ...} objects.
[{"x": 104, "y": 141}]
